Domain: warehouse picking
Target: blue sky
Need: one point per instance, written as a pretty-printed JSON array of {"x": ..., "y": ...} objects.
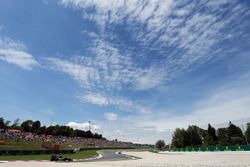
[{"x": 136, "y": 69}]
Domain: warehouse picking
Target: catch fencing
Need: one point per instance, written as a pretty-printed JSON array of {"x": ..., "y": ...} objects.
[
  {"x": 33, "y": 152},
  {"x": 214, "y": 148}
]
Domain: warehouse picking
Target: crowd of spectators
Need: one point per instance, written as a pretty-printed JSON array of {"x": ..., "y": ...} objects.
[{"x": 62, "y": 140}]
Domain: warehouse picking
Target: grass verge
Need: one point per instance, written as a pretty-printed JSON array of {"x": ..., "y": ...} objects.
[
  {"x": 154, "y": 151},
  {"x": 79, "y": 155}
]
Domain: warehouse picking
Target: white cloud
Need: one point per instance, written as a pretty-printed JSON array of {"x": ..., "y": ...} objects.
[
  {"x": 150, "y": 79},
  {"x": 160, "y": 26},
  {"x": 83, "y": 126},
  {"x": 95, "y": 99},
  {"x": 82, "y": 74},
  {"x": 106, "y": 72},
  {"x": 230, "y": 102},
  {"x": 121, "y": 103},
  {"x": 14, "y": 53},
  {"x": 19, "y": 58},
  {"x": 107, "y": 69},
  {"x": 114, "y": 11},
  {"x": 220, "y": 107},
  {"x": 182, "y": 37},
  {"x": 111, "y": 116}
]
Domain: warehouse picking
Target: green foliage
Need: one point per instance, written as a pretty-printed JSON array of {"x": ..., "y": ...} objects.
[
  {"x": 180, "y": 138},
  {"x": 223, "y": 137},
  {"x": 195, "y": 136},
  {"x": 247, "y": 133},
  {"x": 190, "y": 137},
  {"x": 27, "y": 125},
  {"x": 160, "y": 144},
  {"x": 210, "y": 138},
  {"x": 79, "y": 155},
  {"x": 4, "y": 124},
  {"x": 40, "y": 130},
  {"x": 19, "y": 144},
  {"x": 235, "y": 134},
  {"x": 35, "y": 126},
  {"x": 16, "y": 124},
  {"x": 57, "y": 130}
]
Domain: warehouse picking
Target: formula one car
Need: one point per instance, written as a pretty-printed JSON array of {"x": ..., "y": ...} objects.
[{"x": 60, "y": 158}]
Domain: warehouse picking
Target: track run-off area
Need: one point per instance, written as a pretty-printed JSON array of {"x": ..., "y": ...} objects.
[{"x": 148, "y": 159}]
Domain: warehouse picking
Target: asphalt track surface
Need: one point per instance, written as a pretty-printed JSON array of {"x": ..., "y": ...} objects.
[{"x": 111, "y": 155}]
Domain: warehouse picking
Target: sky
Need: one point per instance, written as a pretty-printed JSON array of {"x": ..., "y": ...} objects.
[{"x": 137, "y": 69}]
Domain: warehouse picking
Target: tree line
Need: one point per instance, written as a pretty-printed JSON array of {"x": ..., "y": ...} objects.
[
  {"x": 55, "y": 130},
  {"x": 196, "y": 136}
]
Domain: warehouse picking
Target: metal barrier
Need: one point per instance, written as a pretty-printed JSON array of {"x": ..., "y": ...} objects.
[
  {"x": 38, "y": 152},
  {"x": 34, "y": 152},
  {"x": 214, "y": 148}
]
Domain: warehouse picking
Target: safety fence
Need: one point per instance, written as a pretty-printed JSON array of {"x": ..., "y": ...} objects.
[
  {"x": 33, "y": 152},
  {"x": 39, "y": 152},
  {"x": 214, "y": 148}
]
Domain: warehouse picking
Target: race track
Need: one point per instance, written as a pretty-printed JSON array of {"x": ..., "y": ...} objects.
[
  {"x": 149, "y": 159},
  {"x": 110, "y": 155}
]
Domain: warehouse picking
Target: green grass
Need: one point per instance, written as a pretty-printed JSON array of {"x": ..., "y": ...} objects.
[
  {"x": 154, "y": 151},
  {"x": 79, "y": 155},
  {"x": 14, "y": 144},
  {"x": 21, "y": 145}
]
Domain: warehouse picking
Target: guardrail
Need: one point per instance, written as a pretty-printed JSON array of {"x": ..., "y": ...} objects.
[
  {"x": 214, "y": 148},
  {"x": 33, "y": 152},
  {"x": 39, "y": 152}
]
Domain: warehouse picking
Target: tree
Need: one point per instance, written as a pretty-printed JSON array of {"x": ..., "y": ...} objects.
[
  {"x": 89, "y": 134},
  {"x": 247, "y": 133},
  {"x": 235, "y": 134},
  {"x": 49, "y": 130},
  {"x": 97, "y": 136},
  {"x": 194, "y": 136},
  {"x": 212, "y": 132},
  {"x": 27, "y": 125},
  {"x": 65, "y": 131},
  {"x": 223, "y": 137},
  {"x": 7, "y": 124},
  {"x": 41, "y": 130},
  {"x": 232, "y": 135},
  {"x": 160, "y": 144},
  {"x": 16, "y": 124},
  {"x": 4, "y": 124},
  {"x": 57, "y": 130},
  {"x": 35, "y": 126},
  {"x": 180, "y": 138},
  {"x": 210, "y": 138}
]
